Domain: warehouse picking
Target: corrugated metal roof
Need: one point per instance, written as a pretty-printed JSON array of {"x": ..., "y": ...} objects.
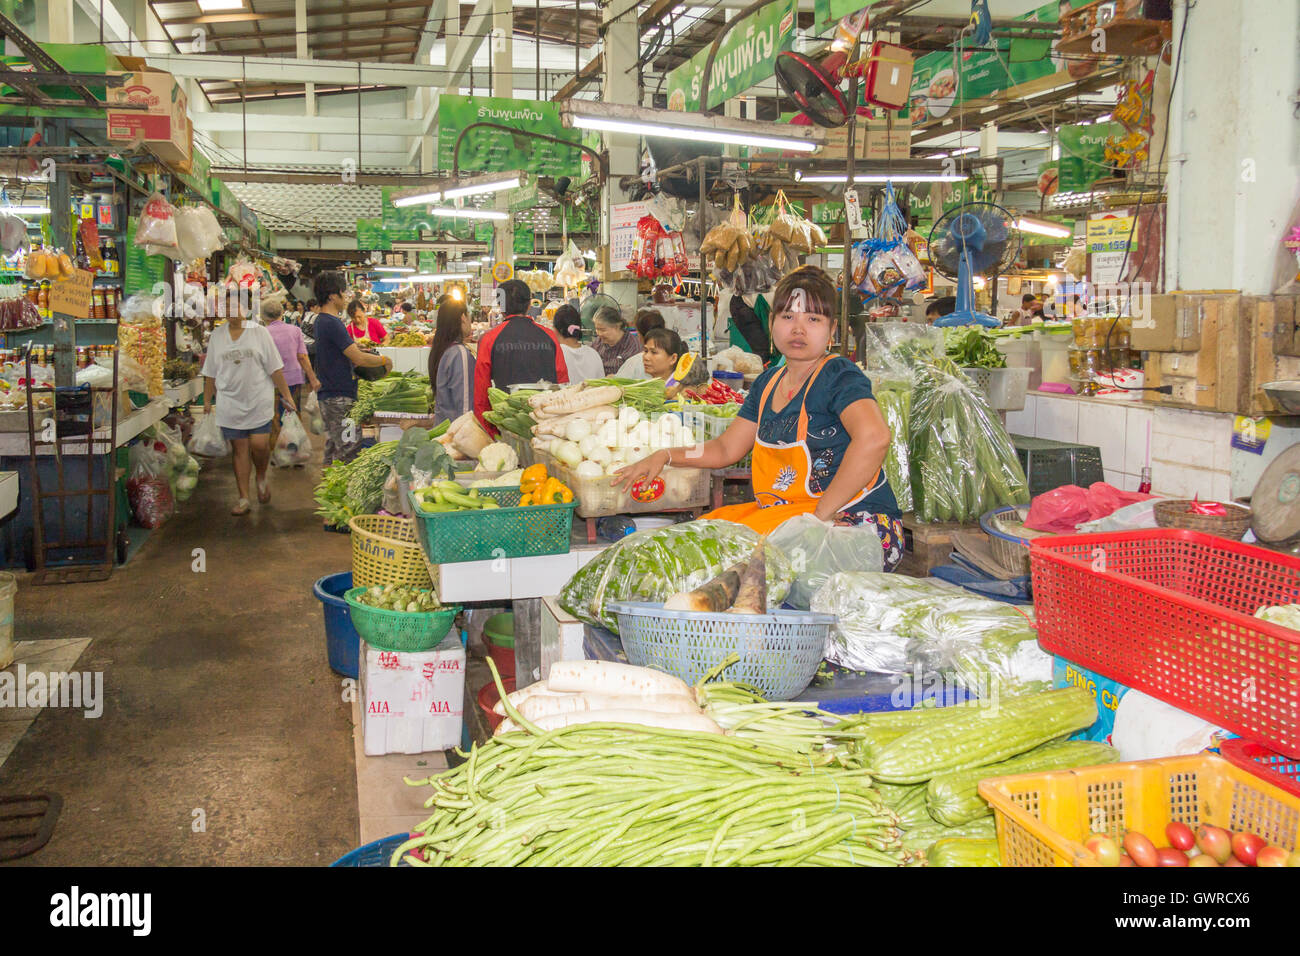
[{"x": 310, "y": 207}]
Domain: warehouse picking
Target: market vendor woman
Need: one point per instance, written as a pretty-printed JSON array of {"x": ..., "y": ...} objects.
[{"x": 818, "y": 438}]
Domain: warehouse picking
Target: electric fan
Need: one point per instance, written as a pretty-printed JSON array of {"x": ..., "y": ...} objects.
[
  {"x": 978, "y": 238},
  {"x": 815, "y": 87}
]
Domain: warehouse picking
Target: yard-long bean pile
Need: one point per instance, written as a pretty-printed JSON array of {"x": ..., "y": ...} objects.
[
  {"x": 625, "y": 795},
  {"x": 609, "y": 795}
]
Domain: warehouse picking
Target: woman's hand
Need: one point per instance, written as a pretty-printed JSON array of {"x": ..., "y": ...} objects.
[{"x": 647, "y": 469}]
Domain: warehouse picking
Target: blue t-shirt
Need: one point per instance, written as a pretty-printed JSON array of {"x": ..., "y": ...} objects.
[
  {"x": 333, "y": 368},
  {"x": 839, "y": 385}
]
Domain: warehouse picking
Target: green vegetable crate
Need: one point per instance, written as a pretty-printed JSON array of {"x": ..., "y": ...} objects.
[
  {"x": 507, "y": 532},
  {"x": 400, "y": 631}
]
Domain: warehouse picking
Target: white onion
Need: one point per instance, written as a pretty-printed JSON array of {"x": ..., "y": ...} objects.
[
  {"x": 589, "y": 444},
  {"x": 577, "y": 430}
]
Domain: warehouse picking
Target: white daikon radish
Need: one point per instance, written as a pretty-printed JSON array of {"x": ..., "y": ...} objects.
[
  {"x": 609, "y": 677},
  {"x": 537, "y": 707},
  {"x": 645, "y": 718},
  {"x": 537, "y": 689}
]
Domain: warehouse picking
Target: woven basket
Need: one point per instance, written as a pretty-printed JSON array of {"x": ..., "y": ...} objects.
[
  {"x": 385, "y": 550},
  {"x": 1173, "y": 513}
]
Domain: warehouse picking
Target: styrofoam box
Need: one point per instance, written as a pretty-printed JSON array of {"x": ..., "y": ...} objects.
[
  {"x": 412, "y": 703},
  {"x": 562, "y": 636}
]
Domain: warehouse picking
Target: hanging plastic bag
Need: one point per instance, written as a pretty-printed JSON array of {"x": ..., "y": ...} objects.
[
  {"x": 157, "y": 227},
  {"x": 189, "y": 234},
  {"x": 147, "y": 487},
  {"x": 293, "y": 447},
  {"x": 207, "y": 441},
  {"x": 891, "y": 266},
  {"x": 13, "y": 234},
  {"x": 311, "y": 412},
  {"x": 817, "y": 549}
]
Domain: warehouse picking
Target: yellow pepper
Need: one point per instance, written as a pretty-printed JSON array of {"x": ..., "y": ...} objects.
[
  {"x": 525, "y": 500},
  {"x": 553, "y": 492},
  {"x": 534, "y": 477}
]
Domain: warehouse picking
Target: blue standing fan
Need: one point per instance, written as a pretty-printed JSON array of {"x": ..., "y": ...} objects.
[{"x": 978, "y": 238}]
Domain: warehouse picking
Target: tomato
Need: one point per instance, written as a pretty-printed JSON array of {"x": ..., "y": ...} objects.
[
  {"x": 1271, "y": 856},
  {"x": 1171, "y": 856},
  {"x": 1103, "y": 848},
  {"x": 1203, "y": 860},
  {"x": 1214, "y": 842},
  {"x": 1180, "y": 835},
  {"x": 1246, "y": 846},
  {"x": 1126, "y": 860},
  {"x": 1233, "y": 861},
  {"x": 1141, "y": 849}
]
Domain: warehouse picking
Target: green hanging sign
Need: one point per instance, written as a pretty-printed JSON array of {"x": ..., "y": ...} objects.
[
  {"x": 1083, "y": 155},
  {"x": 523, "y": 241},
  {"x": 746, "y": 56},
  {"x": 486, "y": 149},
  {"x": 371, "y": 236}
]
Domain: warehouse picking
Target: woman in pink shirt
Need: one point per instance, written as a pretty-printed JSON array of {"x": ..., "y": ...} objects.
[
  {"x": 365, "y": 326},
  {"x": 292, "y": 347}
]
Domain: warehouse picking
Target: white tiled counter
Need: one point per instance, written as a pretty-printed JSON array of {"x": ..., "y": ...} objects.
[{"x": 1191, "y": 451}]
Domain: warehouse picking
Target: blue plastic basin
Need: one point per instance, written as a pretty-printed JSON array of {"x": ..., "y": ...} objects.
[{"x": 341, "y": 639}]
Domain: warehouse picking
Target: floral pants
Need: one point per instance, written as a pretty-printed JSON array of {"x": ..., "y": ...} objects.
[{"x": 889, "y": 530}]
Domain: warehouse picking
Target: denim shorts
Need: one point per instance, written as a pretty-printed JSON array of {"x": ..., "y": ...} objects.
[{"x": 230, "y": 434}]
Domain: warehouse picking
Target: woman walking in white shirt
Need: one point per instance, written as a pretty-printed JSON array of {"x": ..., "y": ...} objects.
[
  {"x": 583, "y": 361},
  {"x": 239, "y": 371}
]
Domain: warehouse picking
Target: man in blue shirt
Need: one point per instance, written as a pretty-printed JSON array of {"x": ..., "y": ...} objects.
[{"x": 336, "y": 354}]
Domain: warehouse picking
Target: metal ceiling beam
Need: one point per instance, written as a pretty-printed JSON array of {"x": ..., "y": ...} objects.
[
  {"x": 224, "y": 18},
  {"x": 653, "y": 14},
  {"x": 408, "y": 25},
  {"x": 471, "y": 38},
  {"x": 269, "y": 155},
  {"x": 209, "y": 66}
]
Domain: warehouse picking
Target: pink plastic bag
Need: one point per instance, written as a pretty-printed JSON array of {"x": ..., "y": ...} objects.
[{"x": 1063, "y": 509}]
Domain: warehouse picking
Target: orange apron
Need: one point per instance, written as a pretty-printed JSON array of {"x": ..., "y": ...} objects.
[{"x": 780, "y": 473}]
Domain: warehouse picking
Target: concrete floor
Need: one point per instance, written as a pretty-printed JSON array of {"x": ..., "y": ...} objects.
[{"x": 219, "y": 705}]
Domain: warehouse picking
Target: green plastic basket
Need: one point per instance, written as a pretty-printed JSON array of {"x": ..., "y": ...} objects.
[
  {"x": 506, "y": 532},
  {"x": 399, "y": 630}
]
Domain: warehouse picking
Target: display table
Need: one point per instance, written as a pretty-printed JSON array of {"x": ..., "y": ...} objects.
[
  {"x": 410, "y": 359},
  {"x": 13, "y": 444},
  {"x": 184, "y": 394}
]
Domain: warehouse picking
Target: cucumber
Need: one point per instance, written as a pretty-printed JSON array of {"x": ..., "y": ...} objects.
[
  {"x": 953, "y": 798},
  {"x": 921, "y": 838},
  {"x": 963, "y": 851},
  {"x": 976, "y": 736}
]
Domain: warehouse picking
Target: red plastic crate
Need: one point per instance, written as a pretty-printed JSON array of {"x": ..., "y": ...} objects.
[
  {"x": 1171, "y": 612},
  {"x": 1278, "y": 770}
]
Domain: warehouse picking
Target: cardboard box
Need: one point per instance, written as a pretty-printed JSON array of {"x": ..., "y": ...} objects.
[
  {"x": 1274, "y": 357},
  {"x": 1281, "y": 312},
  {"x": 1220, "y": 374},
  {"x": 1106, "y": 692},
  {"x": 873, "y": 139},
  {"x": 412, "y": 703},
  {"x": 163, "y": 127},
  {"x": 1173, "y": 322},
  {"x": 888, "y": 75}
]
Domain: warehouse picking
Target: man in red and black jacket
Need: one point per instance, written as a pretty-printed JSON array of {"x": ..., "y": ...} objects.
[{"x": 516, "y": 351}]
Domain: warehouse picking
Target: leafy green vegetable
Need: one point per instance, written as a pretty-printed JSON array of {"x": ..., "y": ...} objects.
[
  {"x": 971, "y": 346},
  {"x": 348, "y": 489},
  {"x": 653, "y": 565}
]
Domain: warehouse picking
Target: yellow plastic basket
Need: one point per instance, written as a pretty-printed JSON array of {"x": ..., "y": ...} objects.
[
  {"x": 1044, "y": 818},
  {"x": 386, "y": 551}
]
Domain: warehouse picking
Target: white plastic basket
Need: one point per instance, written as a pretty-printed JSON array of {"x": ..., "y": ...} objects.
[
  {"x": 597, "y": 497},
  {"x": 1004, "y": 388},
  {"x": 779, "y": 651}
]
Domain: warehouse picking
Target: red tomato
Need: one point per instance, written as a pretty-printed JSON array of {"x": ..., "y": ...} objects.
[
  {"x": 1214, "y": 842},
  {"x": 1246, "y": 846},
  {"x": 1233, "y": 861},
  {"x": 1271, "y": 856},
  {"x": 1103, "y": 848},
  {"x": 1126, "y": 860},
  {"x": 1180, "y": 835},
  {"x": 1171, "y": 856},
  {"x": 1141, "y": 849}
]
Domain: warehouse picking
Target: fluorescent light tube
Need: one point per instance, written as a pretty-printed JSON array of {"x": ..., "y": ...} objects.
[
  {"x": 695, "y": 133},
  {"x": 1043, "y": 228},
  {"x": 484, "y": 188},
  {"x": 451, "y": 212},
  {"x": 417, "y": 200}
]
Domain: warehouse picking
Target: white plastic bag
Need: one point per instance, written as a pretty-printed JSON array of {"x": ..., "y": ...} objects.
[
  {"x": 311, "y": 411},
  {"x": 207, "y": 441},
  {"x": 293, "y": 447},
  {"x": 157, "y": 227},
  {"x": 1147, "y": 729},
  {"x": 190, "y": 236},
  {"x": 818, "y": 549}
]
